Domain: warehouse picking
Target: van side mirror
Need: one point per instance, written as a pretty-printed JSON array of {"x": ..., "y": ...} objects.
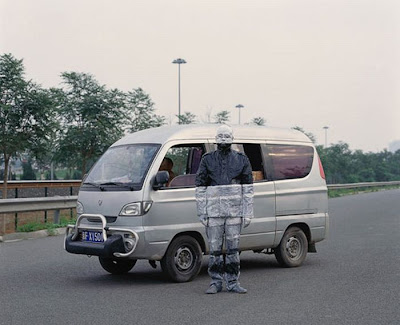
[{"x": 161, "y": 179}]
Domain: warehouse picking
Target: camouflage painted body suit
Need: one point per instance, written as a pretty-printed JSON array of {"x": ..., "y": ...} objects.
[{"x": 224, "y": 195}]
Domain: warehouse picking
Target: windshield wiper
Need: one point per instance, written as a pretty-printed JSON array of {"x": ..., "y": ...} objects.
[
  {"x": 102, "y": 186},
  {"x": 92, "y": 184},
  {"x": 97, "y": 185},
  {"x": 131, "y": 187}
]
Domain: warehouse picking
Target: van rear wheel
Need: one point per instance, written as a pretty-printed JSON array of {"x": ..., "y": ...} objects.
[
  {"x": 292, "y": 250},
  {"x": 116, "y": 266},
  {"x": 182, "y": 261}
]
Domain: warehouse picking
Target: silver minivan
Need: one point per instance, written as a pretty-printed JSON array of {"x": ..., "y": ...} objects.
[{"x": 129, "y": 209}]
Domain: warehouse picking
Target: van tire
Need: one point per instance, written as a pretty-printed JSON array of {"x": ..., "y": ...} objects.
[
  {"x": 292, "y": 249},
  {"x": 117, "y": 266},
  {"x": 182, "y": 261}
]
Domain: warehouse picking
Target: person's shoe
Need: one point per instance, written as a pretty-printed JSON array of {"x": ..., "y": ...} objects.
[
  {"x": 213, "y": 289},
  {"x": 238, "y": 289}
]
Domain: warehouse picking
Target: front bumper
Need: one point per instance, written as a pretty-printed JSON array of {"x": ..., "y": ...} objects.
[{"x": 117, "y": 242}]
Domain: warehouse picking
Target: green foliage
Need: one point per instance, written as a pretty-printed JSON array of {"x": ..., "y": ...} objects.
[
  {"x": 35, "y": 226},
  {"x": 341, "y": 165},
  {"x": 179, "y": 156},
  {"x": 187, "y": 118},
  {"x": 308, "y": 134},
  {"x": 73, "y": 174},
  {"x": 258, "y": 121},
  {"x": 222, "y": 117},
  {"x": 47, "y": 175},
  {"x": 12, "y": 176},
  {"x": 74, "y": 125},
  {"x": 91, "y": 117},
  {"x": 27, "y": 113},
  {"x": 27, "y": 171},
  {"x": 140, "y": 112}
]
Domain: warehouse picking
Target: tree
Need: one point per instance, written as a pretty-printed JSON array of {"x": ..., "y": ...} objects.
[
  {"x": 258, "y": 121},
  {"x": 187, "y": 118},
  {"x": 222, "y": 117},
  {"x": 92, "y": 119},
  {"x": 308, "y": 134},
  {"x": 27, "y": 114},
  {"x": 337, "y": 162},
  {"x": 139, "y": 109}
]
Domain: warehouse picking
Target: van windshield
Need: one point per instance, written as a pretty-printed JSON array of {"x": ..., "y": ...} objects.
[{"x": 122, "y": 167}]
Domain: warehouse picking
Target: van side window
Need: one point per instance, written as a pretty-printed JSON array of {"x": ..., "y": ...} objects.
[
  {"x": 290, "y": 161},
  {"x": 183, "y": 163},
  {"x": 253, "y": 152}
]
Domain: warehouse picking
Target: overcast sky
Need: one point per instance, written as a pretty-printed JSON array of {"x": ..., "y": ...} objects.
[{"x": 307, "y": 63}]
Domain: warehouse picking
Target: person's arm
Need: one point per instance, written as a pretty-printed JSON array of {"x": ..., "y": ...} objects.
[
  {"x": 247, "y": 192},
  {"x": 201, "y": 189},
  {"x": 247, "y": 176}
]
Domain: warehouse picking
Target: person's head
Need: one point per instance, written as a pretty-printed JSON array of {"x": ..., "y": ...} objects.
[
  {"x": 224, "y": 137},
  {"x": 167, "y": 164}
]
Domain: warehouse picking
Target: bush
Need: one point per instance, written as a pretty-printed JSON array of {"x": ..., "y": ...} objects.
[{"x": 27, "y": 171}]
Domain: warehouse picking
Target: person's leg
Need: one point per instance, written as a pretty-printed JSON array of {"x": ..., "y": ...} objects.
[
  {"x": 233, "y": 227},
  {"x": 215, "y": 235}
]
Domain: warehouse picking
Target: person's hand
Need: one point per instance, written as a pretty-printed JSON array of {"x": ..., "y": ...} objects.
[
  {"x": 203, "y": 220},
  {"x": 246, "y": 222}
]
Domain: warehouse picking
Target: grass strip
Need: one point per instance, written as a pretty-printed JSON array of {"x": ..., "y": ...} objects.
[{"x": 35, "y": 226}]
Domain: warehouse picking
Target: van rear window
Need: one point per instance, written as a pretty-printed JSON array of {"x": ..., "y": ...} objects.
[{"x": 290, "y": 161}]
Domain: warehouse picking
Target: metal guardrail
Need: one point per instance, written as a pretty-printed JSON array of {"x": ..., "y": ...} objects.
[
  {"x": 42, "y": 183},
  {"x": 57, "y": 203},
  {"x": 358, "y": 185},
  {"x": 37, "y": 204},
  {"x": 68, "y": 202},
  {"x": 19, "y": 187}
]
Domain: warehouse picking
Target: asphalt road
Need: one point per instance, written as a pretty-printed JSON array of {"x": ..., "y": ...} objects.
[{"x": 353, "y": 279}]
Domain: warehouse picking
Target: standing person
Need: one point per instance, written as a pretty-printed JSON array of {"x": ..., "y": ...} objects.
[{"x": 224, "y": 196}]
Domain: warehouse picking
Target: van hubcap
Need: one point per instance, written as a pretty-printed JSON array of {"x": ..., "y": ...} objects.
[
  {"x": 293, "y": 247},
  {"x": 183, "y": 258}
]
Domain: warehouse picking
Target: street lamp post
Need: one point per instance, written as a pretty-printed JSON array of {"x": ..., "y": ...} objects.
[
  {"x": 326, "y": 136},
  {"x": 239, "y": 106},
  {"x": 179, "y": 61}
]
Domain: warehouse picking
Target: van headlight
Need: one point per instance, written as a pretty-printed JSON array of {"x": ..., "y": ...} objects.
[
  {"x": 136, "y": 209},
  {"x": 79, "y": 208}
]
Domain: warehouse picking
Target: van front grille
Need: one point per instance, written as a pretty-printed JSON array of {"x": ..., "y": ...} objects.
[{"x": 109, "y": 220}]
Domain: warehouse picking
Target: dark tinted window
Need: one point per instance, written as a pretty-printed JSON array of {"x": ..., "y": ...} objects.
[{"x": 289, "y": 162}]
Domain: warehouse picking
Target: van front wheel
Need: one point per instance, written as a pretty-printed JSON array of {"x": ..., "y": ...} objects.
[
  {"x": 116, "y": 266},
  {"x": 182, "y": 261},
  {"x": 292, "y": 250}
]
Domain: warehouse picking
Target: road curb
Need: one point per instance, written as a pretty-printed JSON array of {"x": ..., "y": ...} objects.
[{"x": 17, "y": 236}]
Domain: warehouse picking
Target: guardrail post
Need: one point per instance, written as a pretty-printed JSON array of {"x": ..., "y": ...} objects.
[
  {"x": 56, "y": 217},
  {"x": 70, "y": 210},
  {"x": 16, "y": 213},
  {"x": 45, "y": 212}
]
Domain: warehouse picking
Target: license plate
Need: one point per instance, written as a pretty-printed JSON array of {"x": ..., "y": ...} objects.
[{"x": 92, "y": 236}]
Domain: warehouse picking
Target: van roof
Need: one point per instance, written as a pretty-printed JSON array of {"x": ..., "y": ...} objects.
[{"x": 208, "y": 131}]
